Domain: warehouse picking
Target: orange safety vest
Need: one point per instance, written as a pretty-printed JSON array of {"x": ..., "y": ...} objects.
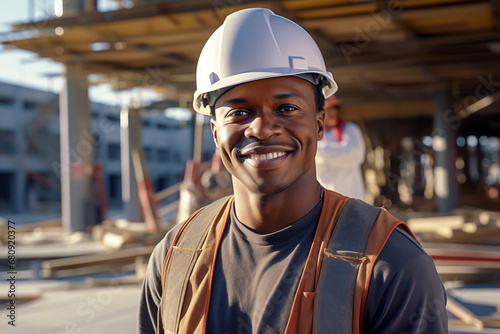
[{"x": 349, "y": 237}]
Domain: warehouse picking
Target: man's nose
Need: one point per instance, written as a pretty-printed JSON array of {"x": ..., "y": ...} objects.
[{"x": 263, "y": 126}]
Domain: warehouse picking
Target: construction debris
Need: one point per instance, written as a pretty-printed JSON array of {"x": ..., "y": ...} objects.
[
  {"x": 467, "y": 226},
  {"x": 96, "y": 263}
]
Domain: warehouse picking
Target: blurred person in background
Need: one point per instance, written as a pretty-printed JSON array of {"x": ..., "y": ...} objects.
[{"x": 340, "y": 153}]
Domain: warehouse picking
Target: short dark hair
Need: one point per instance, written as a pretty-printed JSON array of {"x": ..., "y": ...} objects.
[
  {"x": 212, "y": 112},
  {"x": 319, "y": 99}
]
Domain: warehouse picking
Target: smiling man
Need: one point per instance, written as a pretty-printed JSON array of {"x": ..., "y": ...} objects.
[
  {"x": 284, "y": 254},
  {"x": 267, "y": 131}
]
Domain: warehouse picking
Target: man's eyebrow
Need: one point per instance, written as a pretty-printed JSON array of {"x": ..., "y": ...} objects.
[
  {"x": 233, "y": 101},
  {"x": 277, "y": 97},
  {"x": 287, "y": 96}
]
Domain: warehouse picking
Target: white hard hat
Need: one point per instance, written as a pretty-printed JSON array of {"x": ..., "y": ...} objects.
[{"x": 254, "y": 44}]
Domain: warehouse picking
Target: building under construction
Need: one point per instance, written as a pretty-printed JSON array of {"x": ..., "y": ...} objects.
[{"x": 420, "y": 77}]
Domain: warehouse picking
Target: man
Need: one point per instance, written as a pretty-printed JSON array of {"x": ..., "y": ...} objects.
[
  {"x": 276, "y": 257},
  {"x": 340, "y": 153}
]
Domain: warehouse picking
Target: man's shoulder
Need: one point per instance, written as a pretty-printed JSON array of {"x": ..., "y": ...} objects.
[{"x": 403, "y": 254}]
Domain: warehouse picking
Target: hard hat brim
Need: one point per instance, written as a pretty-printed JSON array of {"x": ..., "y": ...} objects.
[{"x": 329, "y": 88}]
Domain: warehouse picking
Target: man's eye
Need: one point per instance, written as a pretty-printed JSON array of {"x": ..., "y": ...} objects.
[
  {"x": 237, "y": 113},
  {"x": 287, "y": 109}
]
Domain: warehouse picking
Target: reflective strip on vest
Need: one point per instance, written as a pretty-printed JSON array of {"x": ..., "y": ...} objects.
[{"x": 333, "y": 306}]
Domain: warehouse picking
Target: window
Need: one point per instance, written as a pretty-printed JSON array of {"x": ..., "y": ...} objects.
[
  {"x": 114, "y": 151},
  {"x": 163, "y": 154},
  {"x": 7, "y": 142},
  {"x": 115, "y": 187},
  {"x": 207, "y": 156},
  {"x": 6, "y": 101},
  {"x": 177, "y": 156},
  {"x": 161, "y": 183},
  {"x": 148, "y": 153},
  {"x": 29, "y": 105},
  {"x": 113, "y": 118},
  {"x": 6, "y": 190}
]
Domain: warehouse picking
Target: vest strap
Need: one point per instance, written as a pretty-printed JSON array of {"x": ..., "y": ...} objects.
[
  {"x": 181, "y": 260},
  {"x": 333, "y": 305}
]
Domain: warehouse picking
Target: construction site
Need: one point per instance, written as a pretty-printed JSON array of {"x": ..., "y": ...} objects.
[{"x": 87, "y": 190}]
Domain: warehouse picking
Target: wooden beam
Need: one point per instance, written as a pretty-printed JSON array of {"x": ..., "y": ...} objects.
[
  {"x": 161, "y": 195},
  {"x": 121, "y": 256},
  {"x": 462, "y": 313},
  {"x": 336, "y": 11},
  {"x": 157, "y": 9},
  {"x": 296, "y": 5},
  {"x": 479, "y": 105},
  {"x": 389, "y": 109}
]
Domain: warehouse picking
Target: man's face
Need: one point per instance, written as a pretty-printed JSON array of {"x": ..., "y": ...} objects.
[
  {"x": 332, "y": 114},
  {"x": 267, "y": 132}
]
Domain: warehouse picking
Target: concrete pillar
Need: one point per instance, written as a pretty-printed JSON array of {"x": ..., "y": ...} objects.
[
  {"x": 130, "y": 135},
  {"x": 77, "y": 152},
  {"x": 445, "y": 153}
]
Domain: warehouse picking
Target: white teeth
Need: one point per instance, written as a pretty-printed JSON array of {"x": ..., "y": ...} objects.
[{"x": 267, "y": 156}]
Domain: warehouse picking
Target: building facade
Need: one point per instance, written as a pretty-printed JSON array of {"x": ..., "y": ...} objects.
[{"x": 30, "y": 149}]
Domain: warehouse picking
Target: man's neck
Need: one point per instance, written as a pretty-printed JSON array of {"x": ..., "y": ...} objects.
[{"x": 273, "y": 212}]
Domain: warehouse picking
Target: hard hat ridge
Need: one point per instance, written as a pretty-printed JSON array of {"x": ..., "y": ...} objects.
[{"x": 255, "y": 44}]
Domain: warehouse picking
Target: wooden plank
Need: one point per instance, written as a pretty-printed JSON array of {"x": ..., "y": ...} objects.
[
  {"x": 182, "y": 48},
  {"x": 463, "y": 313},
  {"x": 161, "y": 195},
  {"x": 336, "y": 11},
  {"x": 468, "y": 17},
  {"x": 424, "y": 3},
  {"x": 117, "y": 257},
  {"x": 422, "y": 223},
  {"x": 118, "y": 56},
  {"x": 20, "y": 297},
  {"x": 444, "y": 12},
  {"x": 197, "y": 35},
  {"x": 381, "y": 110},
  {"x": 168, "y": 209},
  {"x": 309, "y": 4},
  {"x": 350, "y": 25},
  {"x": 38, "y": 225}
]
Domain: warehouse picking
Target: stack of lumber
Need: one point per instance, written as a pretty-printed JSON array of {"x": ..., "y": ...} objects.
[
  {"x": 465, "y": 226},
  {"x": 112, "y": 246},
  {"x": 128, "y": 244},
  {"x": 120, "y": 233},
  {"x": 36, "y": 233},
  {"x": 124, "y": 260}
]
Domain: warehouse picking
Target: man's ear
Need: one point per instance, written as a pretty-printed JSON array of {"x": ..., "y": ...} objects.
[
  {"x": 320, "y": 121},
  {"x": 213, "y": 127}
]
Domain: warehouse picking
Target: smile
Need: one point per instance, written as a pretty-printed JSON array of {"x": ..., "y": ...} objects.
[{"x": 267, "y": 156}]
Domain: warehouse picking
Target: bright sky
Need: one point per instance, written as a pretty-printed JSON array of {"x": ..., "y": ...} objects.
[
  {"x": 22, "y": 67},
  {"x": 27, "y": 69}
]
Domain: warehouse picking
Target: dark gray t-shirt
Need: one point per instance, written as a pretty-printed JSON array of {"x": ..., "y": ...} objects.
[{"x": 256, "y": 277}]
